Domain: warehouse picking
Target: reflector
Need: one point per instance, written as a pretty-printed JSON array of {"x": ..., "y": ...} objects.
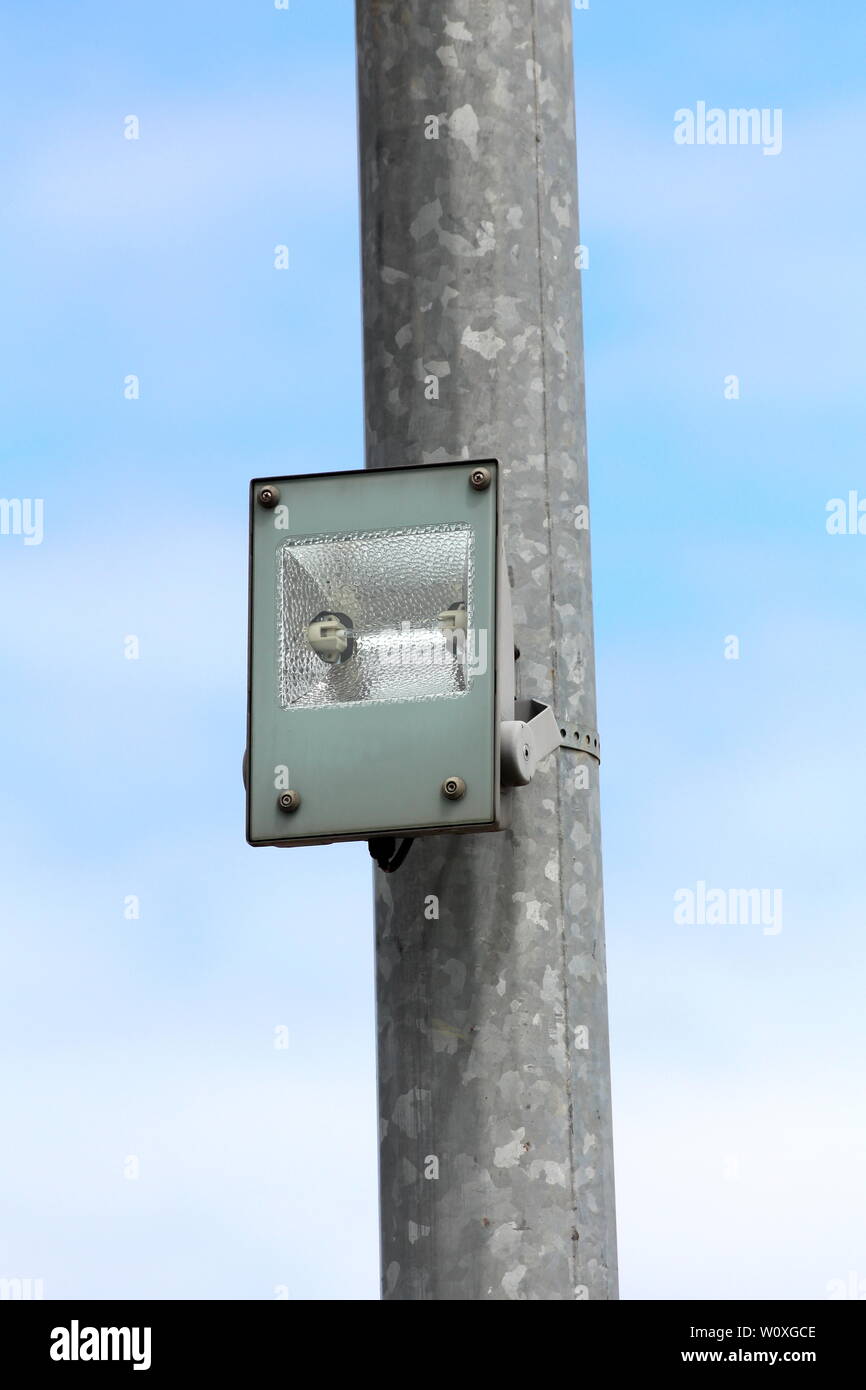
[{"x": 374, "y": 616}]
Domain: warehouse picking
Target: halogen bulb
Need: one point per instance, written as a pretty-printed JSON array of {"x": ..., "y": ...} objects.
[{"x": 330, "y": 636}]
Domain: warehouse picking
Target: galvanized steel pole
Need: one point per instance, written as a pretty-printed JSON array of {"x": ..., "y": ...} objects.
[{"x": 496, "y": 1154}]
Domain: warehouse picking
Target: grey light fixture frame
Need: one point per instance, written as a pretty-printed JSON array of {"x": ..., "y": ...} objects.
[{"x": 450, "y": 816}]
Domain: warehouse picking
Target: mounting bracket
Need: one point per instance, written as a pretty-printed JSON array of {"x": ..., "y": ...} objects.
[{"x": 532, "y": 736}]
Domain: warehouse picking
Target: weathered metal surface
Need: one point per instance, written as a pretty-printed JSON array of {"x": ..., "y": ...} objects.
[{"x": 496, "y": 1163}]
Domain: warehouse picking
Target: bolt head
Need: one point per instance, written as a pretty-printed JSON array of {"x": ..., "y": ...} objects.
[
  {"x": 454, "y": 788},
  {"x": 289, "y": 801},
  {"x": 268, "y": 497},
  {"x": 480, "y": 478}
]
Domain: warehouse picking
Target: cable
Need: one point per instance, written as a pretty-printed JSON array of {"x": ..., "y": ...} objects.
[{"x": 384, "y": 850}]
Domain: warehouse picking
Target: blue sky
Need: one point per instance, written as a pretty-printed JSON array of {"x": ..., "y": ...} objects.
[{"x": 737, "y": 1056}]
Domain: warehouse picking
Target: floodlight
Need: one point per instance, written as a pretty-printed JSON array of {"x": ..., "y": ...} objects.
[{"x": 381, "y": 659}]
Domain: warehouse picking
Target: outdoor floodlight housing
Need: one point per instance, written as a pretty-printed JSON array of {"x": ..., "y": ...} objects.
[{"x": 381, "y": 656}]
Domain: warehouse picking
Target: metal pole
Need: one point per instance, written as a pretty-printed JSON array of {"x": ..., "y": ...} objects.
[{"x": 496, "y": 1158}]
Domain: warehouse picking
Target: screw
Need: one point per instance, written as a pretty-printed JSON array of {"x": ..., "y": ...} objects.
[
  {"x": 480, "y": 479},
  {"x": 454, "y": 788},
  {"x": 269, "y": 497},
  {"x": 526, "y": 753},
  {"x": 289, "y": 801}
]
